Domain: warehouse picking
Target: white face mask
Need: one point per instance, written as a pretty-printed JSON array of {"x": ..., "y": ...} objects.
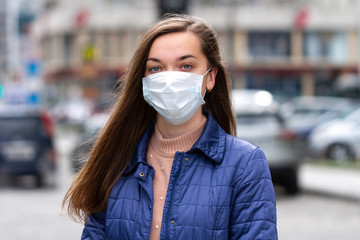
[{"x": 175, "y": 95}]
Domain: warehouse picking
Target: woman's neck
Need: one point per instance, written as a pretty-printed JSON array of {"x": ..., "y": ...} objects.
[{"x": 169, "y": 131}]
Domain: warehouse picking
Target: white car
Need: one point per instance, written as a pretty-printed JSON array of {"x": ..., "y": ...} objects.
[
  {"x": 303, "y": 114},
  {"x": 338, "y": 140},
  {"x": 259, "y": 122}
]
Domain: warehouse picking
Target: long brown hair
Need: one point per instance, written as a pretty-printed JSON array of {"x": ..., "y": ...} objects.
[{"x": 131, "y": 115}]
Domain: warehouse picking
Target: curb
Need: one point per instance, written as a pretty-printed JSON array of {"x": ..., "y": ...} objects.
[{"x": 330, "y": 181}]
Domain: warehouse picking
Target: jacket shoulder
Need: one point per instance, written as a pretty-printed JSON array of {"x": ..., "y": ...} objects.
[
  {"x": 237, "y": 144},
  {"x": 240, "y": 149},
  {"x": 245, "y": 158}
]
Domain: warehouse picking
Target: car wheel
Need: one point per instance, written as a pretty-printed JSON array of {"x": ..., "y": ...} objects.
[
  {"x": 47, "y": 180},
  {"x": 287, "y": 178},
  {"x": 291, "y": 184},
  {"x": 39, "y": 181},
  {"x": 340, "y": 153}
]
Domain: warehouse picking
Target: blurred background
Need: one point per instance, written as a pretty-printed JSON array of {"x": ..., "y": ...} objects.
[{"x": 294, "y": 66}]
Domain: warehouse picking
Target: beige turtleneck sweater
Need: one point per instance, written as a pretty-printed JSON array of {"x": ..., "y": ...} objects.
[{"x": 161, "y": 154}]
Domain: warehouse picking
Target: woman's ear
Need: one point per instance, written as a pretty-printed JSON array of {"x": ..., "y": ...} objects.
[{"x": 211, "y": 79}]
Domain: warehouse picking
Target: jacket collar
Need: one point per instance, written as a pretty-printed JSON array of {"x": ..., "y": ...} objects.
[
  {"x": 212, "y": 140},
  {"x": 141, "y": 150},
  {"x": 211, "y": 143}
]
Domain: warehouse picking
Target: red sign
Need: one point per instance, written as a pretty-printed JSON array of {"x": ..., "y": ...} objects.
[
  {"x": 301, "y": 19},
  {"x": 82, "y": 18}
]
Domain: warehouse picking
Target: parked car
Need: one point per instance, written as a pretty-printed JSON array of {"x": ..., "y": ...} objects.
[
  {"x": 27, "y": 143},
  {"x": 303, "y": 114},
  {"x": 259, "y": 122},
  {"x": 72, "y": 112},
  {"x": 85, "y": 142},
  {"x": 338, "y": 140}
]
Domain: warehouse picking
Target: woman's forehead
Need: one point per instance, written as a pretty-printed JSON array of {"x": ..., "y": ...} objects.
[{"x": 175, "y": 45}]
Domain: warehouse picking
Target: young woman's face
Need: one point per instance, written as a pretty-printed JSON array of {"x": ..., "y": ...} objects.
[
  {"x": 179, "y": 51},
  {"x": 176, "y": 52}
]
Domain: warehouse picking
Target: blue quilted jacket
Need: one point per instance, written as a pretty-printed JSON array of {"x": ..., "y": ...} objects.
[{"x": 220, "y": 189}]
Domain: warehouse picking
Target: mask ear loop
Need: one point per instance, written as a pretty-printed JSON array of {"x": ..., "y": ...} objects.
[
  {"x": 207, "y": 90},
  {"x": 207, "y": 71}
]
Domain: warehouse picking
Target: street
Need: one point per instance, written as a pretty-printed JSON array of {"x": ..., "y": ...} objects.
[
  {"x": 316, "y": 217},
  {"x": 35, "y": 214}
]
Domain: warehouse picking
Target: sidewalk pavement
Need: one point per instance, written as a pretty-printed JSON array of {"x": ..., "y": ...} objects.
[{"x": 339, "y": 182}]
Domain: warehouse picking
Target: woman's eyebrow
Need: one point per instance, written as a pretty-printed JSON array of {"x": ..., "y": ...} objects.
[
  {"x": 178, "y": 59},
  {"x": 186, "y": 57},
  {"x": 153, "y": 59}
]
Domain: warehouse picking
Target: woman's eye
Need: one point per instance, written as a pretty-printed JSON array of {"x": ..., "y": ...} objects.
[
  {"x": 154, "y": 69},
  {"x": 186, "y": 67}
]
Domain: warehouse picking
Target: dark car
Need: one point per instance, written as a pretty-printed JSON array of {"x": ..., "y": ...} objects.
[{"x": 27, "y": 143}]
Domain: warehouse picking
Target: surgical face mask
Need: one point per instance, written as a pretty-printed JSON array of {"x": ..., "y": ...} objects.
[{"x": 175, "y": 95}]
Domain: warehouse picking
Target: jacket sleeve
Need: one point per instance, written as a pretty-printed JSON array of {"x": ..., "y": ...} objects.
[
  {"x": 254, "y": 212},
  {"x": 94, "y": 227}
]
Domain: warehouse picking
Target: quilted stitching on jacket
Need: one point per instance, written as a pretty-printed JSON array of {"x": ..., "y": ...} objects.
[{"x": 224, "y": 191}]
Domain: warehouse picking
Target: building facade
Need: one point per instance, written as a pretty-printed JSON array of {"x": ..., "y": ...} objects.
[
  {"x": 19, "y": 57},
  {"x": 3, "y": 41},
  {"x": 87, "y": 45},
  {"x": 289, "y": 47}
]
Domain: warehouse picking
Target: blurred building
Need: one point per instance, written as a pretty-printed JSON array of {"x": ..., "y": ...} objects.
[
  {"x": 289, "y": 47},
  {"x": 19, "y": 57},
  {"x": 3, "y": 42},
  {"x": 87, "y": 44},
  {"x": 7, "y": 37}
]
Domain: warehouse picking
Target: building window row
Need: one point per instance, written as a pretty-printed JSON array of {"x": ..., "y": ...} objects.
[
  {"x": 316, "y": 46},
  {"x": 331, "y": 46},
  {"x": 106, "y": 47},
  {"x": 264, "y": 45}
]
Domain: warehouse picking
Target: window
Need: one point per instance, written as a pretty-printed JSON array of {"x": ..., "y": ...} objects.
[
  {"x": 68, "y": 45},
  {"x": 282, "y": 85},
  {"x": 328, "y": 46},
  {"x": 47, "y": 48},
  {"x": 106, "y": 45},
  {"x": 121, "y": 44},
  {"x": 269, "y": 45}
]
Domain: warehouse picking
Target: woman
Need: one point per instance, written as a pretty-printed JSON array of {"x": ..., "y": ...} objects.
[{"x": 166, "y": 165}]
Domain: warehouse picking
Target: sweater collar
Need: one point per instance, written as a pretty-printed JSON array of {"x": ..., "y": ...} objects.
[
  {"x": 168, "y": 147},
  {"x": 211, "y": 143}
]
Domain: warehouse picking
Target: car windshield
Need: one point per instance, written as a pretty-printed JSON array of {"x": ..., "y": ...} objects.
[
  {"x": 354, "y": 116},
  {"x": 254, "y": 119},
  {"x": 307, "y": 113},
  {"x": 251, "y": 126},
  {"x": 24, "y": 128}
]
